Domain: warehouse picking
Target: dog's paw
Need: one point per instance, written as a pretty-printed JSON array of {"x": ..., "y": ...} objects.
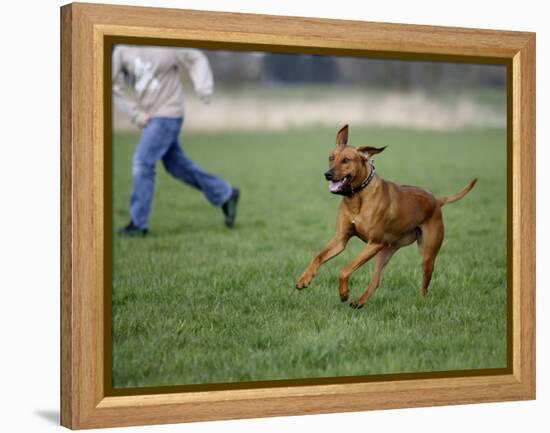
[
  {"x": 303, "y": 282},
  {"x": 344, "y": 298},
  {"x": 356, "y": 304}
]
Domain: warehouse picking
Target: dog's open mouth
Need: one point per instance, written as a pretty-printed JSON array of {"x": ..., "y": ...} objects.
[{"x": 338, "y": 186}]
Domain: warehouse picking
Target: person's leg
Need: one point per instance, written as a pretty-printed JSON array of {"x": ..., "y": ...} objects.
[
  {"x": 156, "y": 138},
  {"x": 216, "y": 190}
]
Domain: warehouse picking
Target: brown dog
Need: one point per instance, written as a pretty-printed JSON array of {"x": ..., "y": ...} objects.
[{"x": 383, "y": 214}]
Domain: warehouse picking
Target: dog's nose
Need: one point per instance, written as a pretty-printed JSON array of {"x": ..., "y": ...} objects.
[{"x": 328, "y": 175}]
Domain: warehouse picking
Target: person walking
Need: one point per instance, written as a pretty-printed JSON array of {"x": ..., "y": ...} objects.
[{"x": 147, "y": 82}]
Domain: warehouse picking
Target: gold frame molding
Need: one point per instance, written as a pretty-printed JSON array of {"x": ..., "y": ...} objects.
[{"x": 87, "y": 32}]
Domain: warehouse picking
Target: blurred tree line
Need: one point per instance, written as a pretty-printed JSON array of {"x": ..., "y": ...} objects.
[{"x": 236, "y": 68}]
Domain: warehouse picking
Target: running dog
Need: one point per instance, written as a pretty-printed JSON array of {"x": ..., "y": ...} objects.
[{"x": 386, "y": 216}]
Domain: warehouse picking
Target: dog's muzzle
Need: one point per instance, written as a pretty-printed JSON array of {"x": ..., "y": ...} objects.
[{"x": 341, "y": 186}]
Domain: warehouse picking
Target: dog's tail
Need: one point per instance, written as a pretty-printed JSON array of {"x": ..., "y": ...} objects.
[{"x": 454, "y": 197}]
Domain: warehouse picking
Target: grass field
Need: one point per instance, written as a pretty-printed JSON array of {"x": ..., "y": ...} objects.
[{"x": 195, "y": 302}]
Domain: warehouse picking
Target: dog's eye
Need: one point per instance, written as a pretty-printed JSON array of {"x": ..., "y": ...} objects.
[
  {"x": 345, "y": 160},
  {"x": 331, "y": 158}
]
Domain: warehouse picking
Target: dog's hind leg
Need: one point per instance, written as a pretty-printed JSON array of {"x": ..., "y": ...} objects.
[
  {"x": 381, "y": 260},
  {"x": 431, "y": 240}
]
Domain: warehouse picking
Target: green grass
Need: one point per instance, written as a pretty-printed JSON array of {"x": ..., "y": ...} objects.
[{"x": 195, "y": 302}]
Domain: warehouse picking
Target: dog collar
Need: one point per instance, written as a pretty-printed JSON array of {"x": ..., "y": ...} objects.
[{"x": 365, "y": 182}]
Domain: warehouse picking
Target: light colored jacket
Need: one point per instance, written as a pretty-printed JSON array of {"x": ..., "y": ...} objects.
[{"x": 148, "y": 79}]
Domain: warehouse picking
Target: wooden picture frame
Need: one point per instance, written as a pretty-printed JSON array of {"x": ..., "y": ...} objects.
[{"x": 85, "y": 262}]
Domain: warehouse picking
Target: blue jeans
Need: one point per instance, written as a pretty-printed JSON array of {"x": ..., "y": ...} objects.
[{"x": 159, "y": 140}]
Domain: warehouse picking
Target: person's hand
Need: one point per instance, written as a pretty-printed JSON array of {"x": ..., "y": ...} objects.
[
  {"x": 206, "y": 99},
  {"x": 143, "y": 120}
]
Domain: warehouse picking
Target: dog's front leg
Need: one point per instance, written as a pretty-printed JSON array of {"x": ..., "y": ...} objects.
[
  {"x": 369, "y": 251},
  {"x": 332, "y": 249}
]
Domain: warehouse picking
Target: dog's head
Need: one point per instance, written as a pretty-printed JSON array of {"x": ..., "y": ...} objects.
[{"x": 348, "y": 165}]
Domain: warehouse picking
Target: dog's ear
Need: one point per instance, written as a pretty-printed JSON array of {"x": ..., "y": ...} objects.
[
  {"x": 342, "y": 136},
  {"x": 367, "y": 151}
]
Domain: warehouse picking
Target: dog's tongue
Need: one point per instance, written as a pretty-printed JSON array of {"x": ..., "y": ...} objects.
[{"x": 335, "y": 186}]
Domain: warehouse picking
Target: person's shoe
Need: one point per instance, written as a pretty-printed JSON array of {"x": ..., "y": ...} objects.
[
  {"x": 230, "y": 208},
  {"x": 132, "y": 230}
]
